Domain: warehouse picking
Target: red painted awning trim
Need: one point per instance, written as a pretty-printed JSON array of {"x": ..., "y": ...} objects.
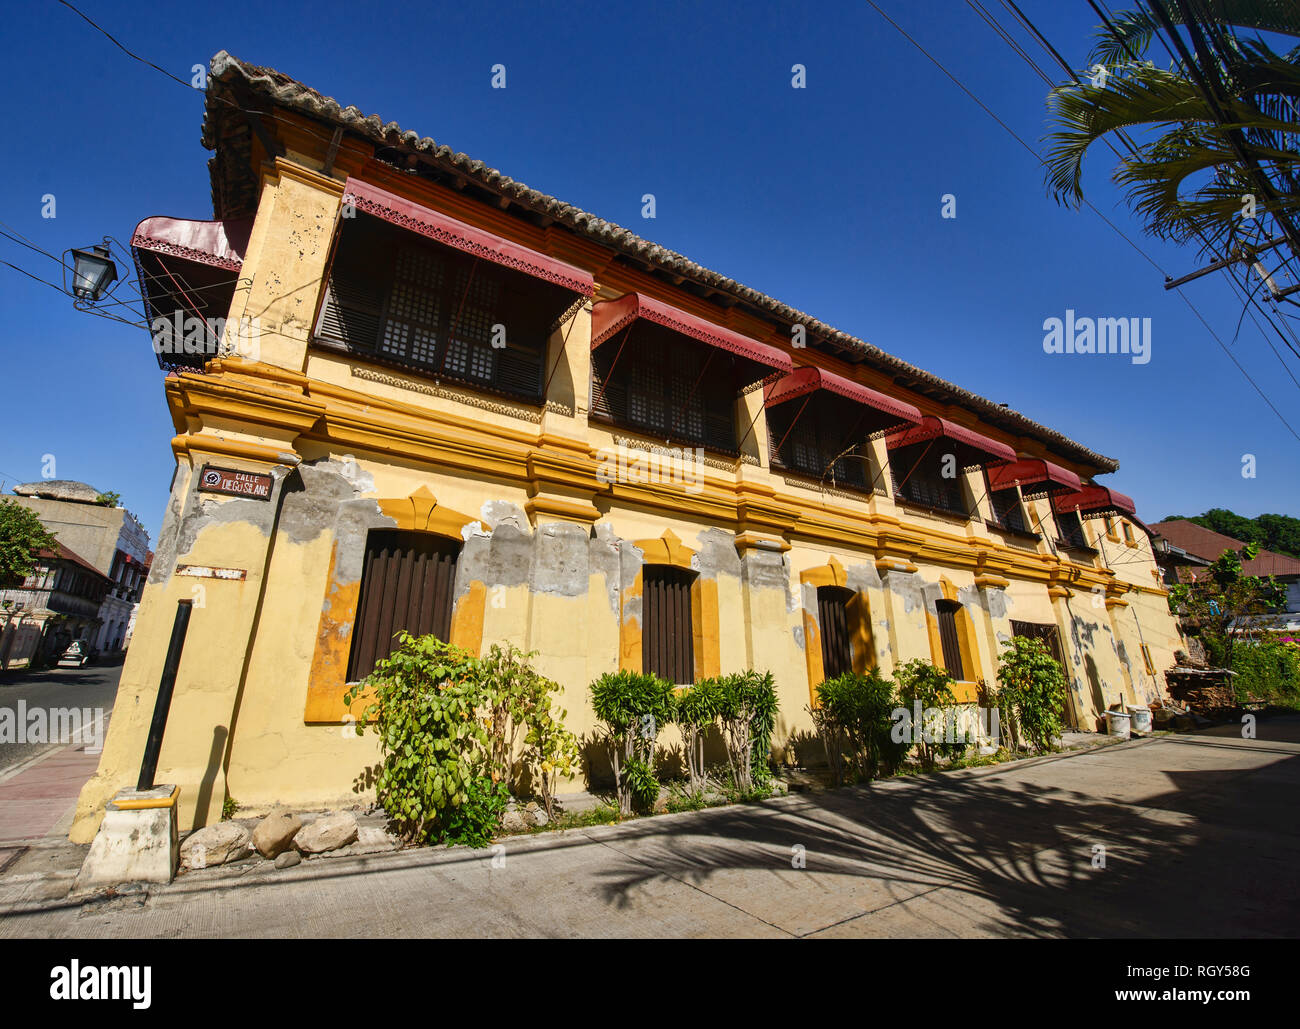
[
  {"x": 932, "y": 427},
  {"x": 804, "y": 380},
  {"x": 443, "y": 228},
  {"x": 1096, "y": 498},
  {"x": 221, "y": 244},
  {"x": 1033, "y": 472},
  {"x": 608, "y": 317}
]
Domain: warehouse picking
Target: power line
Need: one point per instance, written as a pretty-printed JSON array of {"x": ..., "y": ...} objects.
[{"x": 1150, "y": 260}]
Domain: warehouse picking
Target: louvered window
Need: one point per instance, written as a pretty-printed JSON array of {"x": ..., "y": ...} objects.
[
  {"x": 667, "y": 629},
  {"x": 918, "y": 477},
  {"x": 668, "y": 386},
  {"x": 402, "y": 300},
  {"x": 1071, "y": 526},
  {"x": 822, "y": 438},
  {"x": 1008, "y": 510},
  {"x": 407, "y": 582},
  {"x": 946, "y": 612},
  {"x": 833, "y": 621}
]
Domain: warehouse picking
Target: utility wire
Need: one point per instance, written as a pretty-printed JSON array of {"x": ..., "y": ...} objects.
[{"x": 1150, "y": 260}]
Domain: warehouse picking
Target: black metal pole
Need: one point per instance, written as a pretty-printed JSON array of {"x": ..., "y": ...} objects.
[{"x": 163, "y": 704}]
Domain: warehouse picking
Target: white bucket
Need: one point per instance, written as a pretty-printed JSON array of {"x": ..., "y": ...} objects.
[
  {"x": 1118, "y": 723},
  {"x": 1141, "y": 718}
]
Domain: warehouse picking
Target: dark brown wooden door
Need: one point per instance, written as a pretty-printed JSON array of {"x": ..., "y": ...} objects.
[
  {"x": 833, "y": 619},
  {"x": 667, "y": 629},
  {"x": 946, "y": 611},
  {"x": 407, "y": 582}
]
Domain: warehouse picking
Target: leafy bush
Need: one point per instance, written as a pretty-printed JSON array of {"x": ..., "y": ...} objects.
[
  {"x": 633, "y": 706},
  {"x": 476, "y": 820},
  {"x": 695, "y": 710},
  {"x": 1268, "y": 670},
  {"x": 920, "y": 681},
  {"x": 426, "y": 698},
  {"x": 521, "y": 701},
  {"x": 854, "y": 716},
  {"x": 747, "y": 709},
  {"x": 1032, "y": 692}
]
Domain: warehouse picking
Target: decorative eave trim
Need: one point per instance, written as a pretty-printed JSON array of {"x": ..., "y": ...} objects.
[{"x": 442, "y": 228}]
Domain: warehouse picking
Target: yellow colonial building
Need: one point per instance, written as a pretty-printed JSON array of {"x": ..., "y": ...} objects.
[{"x": 409, "y": 392}]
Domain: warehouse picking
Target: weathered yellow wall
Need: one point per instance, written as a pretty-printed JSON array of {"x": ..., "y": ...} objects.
[{"x": 550, "y": 559}]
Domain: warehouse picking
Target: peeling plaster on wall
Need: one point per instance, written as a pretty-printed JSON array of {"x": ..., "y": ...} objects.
[
  {"x": 602, "y": 558},
  {"x": 560, "y": 560},
  {"x": 202, "y": 510},
  {"x": 503, "y": 559},
  {"x": 969, "y": 597},
  {"x": 631, "y": 558},
  {"x": 1002, "y": 637},
  {"x": 497, "y": 512},
  {"x": 766, "y": 569},
  {"x": 1123, "y": 656},
  {"x": 861, "y": 578},
  {"x": 352, "y": 523},
  {"x": 909, "y": 588},
  {"x": 809, "y": 597},
  {"x": 997, "y": 602},
  {"x": 798, "y": 636},
  {"x": 931, "y": 593},
  {"x": 308, "y": 512},
  {"x": 716, "y": 553},
  {"x": 165, "y": 549}
]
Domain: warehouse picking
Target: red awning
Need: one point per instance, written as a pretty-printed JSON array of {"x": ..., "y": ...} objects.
[
  {"x": 609, "y": 316},
  {"x": 1043, "y": 475},
  {"x": 981, "y": 449},
  {"x": 219, "y": 244},
  {"x": 805, "y": 380},
  {"x": 1096, "y": 498},
  {"x": 472, "y": 240}
]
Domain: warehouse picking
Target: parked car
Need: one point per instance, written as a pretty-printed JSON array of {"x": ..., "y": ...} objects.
[{"x": 78, "y": 654}]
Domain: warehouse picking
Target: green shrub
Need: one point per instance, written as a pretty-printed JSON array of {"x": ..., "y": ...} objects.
[
  {"x": 1031, "y": 697},
  {"x": 747, "y": 707},
  {"x": 695, "y": 711},
  {"x": 521, "y": 702},
  {"x": 924, "y": 683},
  {"x": 1267, "y": 670},
  {"x": 427, "y": 696},
  {"x": 633, "y": 707},
  {"x": 854, "y": 716},
  {"x": 478, "y": 818}
]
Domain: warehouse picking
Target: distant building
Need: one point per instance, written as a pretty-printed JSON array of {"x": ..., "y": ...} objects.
[
  {"x": 1185, "y": 550},
  {"x": 110, "y": 539},
  {"x": 57, "y": 603}
]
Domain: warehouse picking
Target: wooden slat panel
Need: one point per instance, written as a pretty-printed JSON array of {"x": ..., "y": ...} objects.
[
  {"x": 832, "y": 617},
  {"x": 947, "y": 616},
  {"x": 667, "y": 632},
  {"x": 407, "y": 583}
]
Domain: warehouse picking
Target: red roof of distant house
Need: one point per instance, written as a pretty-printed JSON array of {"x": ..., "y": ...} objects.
[{"x": 1207, "y": 543}]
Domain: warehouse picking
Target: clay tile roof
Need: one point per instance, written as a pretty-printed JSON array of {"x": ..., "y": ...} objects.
[
  {"x": 1208, "y": 544},
  {"x": 234, "y": 85}
]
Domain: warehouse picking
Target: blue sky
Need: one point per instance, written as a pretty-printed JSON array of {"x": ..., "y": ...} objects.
[{"x": 828, "y": 198}]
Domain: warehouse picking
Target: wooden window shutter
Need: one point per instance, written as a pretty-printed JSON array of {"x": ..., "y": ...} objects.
[
  {"x": 946, "y": 612},
  {"x": 833, "y": 621},
  {"x": 407, "y": 583},
  {"x": 356, "y": 291},
  {"x": 667, "y": 627}
]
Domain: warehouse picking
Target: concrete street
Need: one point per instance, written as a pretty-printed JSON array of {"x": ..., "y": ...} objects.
[{"x": 1199, "y": 839}]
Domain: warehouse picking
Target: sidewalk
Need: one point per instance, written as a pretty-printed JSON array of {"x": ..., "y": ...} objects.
[
  {"x": 38, "y": 799},
  {"x": 1129, "y": 840}
]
